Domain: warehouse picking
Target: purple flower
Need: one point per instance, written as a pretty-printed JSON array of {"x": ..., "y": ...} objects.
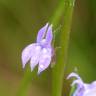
[
  {"x": 82, "y": 89},
  {"x": 39, "y": 53}
]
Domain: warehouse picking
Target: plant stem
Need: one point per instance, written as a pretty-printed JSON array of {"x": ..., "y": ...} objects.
[
  {"x": 58, "y": 70},
  {"x": 22, "y": 91}
]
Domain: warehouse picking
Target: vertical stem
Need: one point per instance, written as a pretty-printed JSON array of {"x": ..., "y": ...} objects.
[
  {"x": 58, "y": 70},
  {"x": 22, "y": 90}
]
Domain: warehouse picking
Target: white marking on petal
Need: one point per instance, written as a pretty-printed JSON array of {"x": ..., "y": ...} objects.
[
  {"x": 41, "y": 66},
  {"x": 43, "y": 41},
  {"x": 27, "y": 53},
  {"x": 44, "y": 51}
]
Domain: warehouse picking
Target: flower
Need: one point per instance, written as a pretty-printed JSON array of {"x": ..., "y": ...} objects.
[
  {"x": 39, "y": 53},
  {"x": 82, "y": 89}
]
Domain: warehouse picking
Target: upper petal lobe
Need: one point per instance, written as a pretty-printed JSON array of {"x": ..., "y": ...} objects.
[
  {"x": 41, "y": 33},
  {"x": 49, "y": 34}
]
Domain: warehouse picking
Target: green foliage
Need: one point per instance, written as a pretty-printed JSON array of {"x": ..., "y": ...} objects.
[{"x": 19, "y": 24}]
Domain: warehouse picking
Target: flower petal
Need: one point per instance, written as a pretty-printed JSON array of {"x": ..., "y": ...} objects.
[
  {"x": 78, "y": 82},
  {"x": 91, "y": 92},
  {"x": 82, "y": 89},
  {"x": 78, "y": 92},
  {"x": 27, "y": 53},
  {"x": 45, "y": 59},
  {"x": 49, "y": 34},
  {"x": 73, "y": 75},
  {"x": 79, "y": 89},
  {"x": 35, "y": 58},
  {"x": 91, "y": 86},
  {"x": 41, "y": 33},
  {"x": 90, "y": 89}
]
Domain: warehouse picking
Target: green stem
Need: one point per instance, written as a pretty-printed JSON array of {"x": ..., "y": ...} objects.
[
  {"x": 58, "y": 13},
  {"x": 25, "y": 82},
  {"x": 58, "y": 70}
]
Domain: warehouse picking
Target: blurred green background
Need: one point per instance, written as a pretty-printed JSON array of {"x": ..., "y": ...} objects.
[{"x": 20, "y": 21}]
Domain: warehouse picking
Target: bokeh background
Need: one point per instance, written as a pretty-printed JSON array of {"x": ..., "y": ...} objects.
[{"x": 20, "y": 21}]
